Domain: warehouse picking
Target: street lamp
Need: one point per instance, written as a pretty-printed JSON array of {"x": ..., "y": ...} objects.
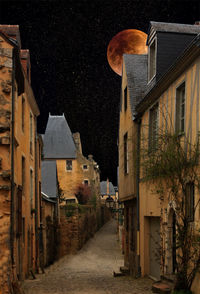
[{"x": 109, "y": 202}]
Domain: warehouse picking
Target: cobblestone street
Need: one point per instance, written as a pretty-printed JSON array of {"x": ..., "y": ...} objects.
[{"x": 90, "y": 271}]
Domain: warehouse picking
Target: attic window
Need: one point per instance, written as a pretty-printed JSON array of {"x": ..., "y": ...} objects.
[
  {"x": 85, "y": 167},
  {"x": 69, "y": 165},
  {"x": 152, "y": 60},
  {"x": 125, "y": 99},
  {"x": 180, "y": 109}
]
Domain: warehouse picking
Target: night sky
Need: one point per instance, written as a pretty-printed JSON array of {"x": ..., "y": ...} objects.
[{"x": 70, "y": 73}]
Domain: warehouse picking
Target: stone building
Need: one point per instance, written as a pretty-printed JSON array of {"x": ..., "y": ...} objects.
[
  {"x": 20, "y": 150},
  {"x": 168, "y": 102},
  {"x": 49, "y": 212},
  {"x": 107, "y": 191},
  {"x": 73, "y": 169}
]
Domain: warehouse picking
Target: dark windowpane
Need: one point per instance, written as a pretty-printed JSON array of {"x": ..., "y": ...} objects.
[
  {"x": 189, "y": 201},
  {"x": 69, "y": 164},
  {"x": 180, "y": 109},
  {"x": 125, "y": 98},
  {"x": 125, "y": 154},
  {"x": 153, "y": 127}
]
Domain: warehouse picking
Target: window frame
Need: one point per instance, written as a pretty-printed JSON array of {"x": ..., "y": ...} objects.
[
  {"x": 83, "y": 166},
  {"x": 71, "y": 165},
  {"x": 153, "y": 130},
  {"x": 23, "y": 173},
  {"x": 31, "y": 133},
  {"x": 180, "y": 102},
  {"x": 23, "y": 113},
  {"x": 151, "y": 58},
  {"x": 125, "y": 98},
  {"x": 190, "y": 201},
  {"x": 126, "y": 153},
  {"x": 86, "y": 182},
  {"x": 31, "y": 188}
]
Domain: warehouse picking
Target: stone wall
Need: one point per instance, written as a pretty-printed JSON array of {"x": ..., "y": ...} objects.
[{"x": 75, "y": 230}]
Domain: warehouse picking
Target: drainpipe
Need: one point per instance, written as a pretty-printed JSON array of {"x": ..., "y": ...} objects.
[
  {"x": 12, "y": 221},
  {"x": 138, "y": 196},
  {"x": 36, "y": 198}
]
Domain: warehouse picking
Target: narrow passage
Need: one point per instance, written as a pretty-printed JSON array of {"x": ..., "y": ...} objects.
[{"x": 90, "y": 271}]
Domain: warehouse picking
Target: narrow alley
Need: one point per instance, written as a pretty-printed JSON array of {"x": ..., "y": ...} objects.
[{"x": 90, "y": 271}]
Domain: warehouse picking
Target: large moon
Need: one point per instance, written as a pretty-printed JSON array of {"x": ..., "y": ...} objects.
[{"x": 128, "y": 41}]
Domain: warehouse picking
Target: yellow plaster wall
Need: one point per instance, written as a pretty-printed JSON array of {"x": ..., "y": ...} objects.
[
  {"x": 22, "y": 148},
  {"x": 127, "y": 186},
  {"x": 150, "y": 205},
  {"x": 69, "y": 180}
]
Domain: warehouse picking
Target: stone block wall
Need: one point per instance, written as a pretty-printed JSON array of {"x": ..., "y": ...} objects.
[{"x": 75, "y": 230}]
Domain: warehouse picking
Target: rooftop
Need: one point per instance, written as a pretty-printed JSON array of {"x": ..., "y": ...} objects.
[{"x": 58, "y": 139}]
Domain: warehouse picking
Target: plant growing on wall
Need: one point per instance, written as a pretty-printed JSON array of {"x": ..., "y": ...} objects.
[
  {"x": 83, "y": 193},
  {"x": 172, "y": 166}
]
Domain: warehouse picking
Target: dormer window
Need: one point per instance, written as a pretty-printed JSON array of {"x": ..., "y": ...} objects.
[
  {"x": 125, "y": 99},
  {"x": 152, "y": 60}
]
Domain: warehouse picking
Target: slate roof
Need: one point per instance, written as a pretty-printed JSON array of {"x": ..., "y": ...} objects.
[
  {"x": 49, "y": 178},
  {"x": 172, "y": 28},
  {"x": 58, "y": 139},
  {"x": 136, "y": 70},
  {"x": 103, "y": 188}
]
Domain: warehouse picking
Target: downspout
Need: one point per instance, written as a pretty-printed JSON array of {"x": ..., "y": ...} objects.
[
  {"x": 36, "y": 198},
  {"x": 138, "y": 196},
  {"x": 12, "y": 161}
]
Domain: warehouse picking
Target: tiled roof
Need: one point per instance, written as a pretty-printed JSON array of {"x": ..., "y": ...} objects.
[
  {"x": 58, "y": 139},
  {"x": 12, "y": 31},
  {"x": 103, "y": 188},
  {"x": 49, "y": 178},
  {"x": 136, "y": 70},
  {"x": 172, "y": 28}
]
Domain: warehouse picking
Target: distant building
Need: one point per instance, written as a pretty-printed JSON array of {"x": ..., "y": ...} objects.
[
  {"x": 73, "y": 168},
  {"x": 107, "y": 191}
]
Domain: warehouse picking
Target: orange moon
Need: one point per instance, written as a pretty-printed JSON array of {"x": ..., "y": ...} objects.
[{"x": 128, "y": 41}]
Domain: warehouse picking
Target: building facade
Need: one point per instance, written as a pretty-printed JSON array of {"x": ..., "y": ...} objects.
[
  {"x": 73, "y": 169},
  {"x": 20, "y": 164},
  {"x": 168, "y": 103}
]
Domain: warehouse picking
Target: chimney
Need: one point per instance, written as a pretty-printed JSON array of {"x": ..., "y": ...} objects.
[
  {"x": 90, "y": 157},
  {"x": 108, "y": 190},
  {"x": 77, "y": 140}
]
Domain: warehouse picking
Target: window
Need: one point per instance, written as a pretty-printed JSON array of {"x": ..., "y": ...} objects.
[
  {"x": 126, "y": 153},
  {"x": 152, "y": 60},
  {"x": 39, "y": 155},
  {"x": 69, "y": 165},
  {"x": 23, "y": 174},
  {"x": 31, "y": 133},
  {"x": 70, "y": 201},
  {"x": 85, "y": 167},
  {"x": 23, "y": 229},
  {"x": 31, "y": 189},
  {"x": 125, "y": 99},
  {"x": 23, "y": 113},
  {"x": 189, "y": 201},
  {"x": 180, "y": 109},
  {"x": 153, "y": 127},
  {"x": 86, "y": 182}
]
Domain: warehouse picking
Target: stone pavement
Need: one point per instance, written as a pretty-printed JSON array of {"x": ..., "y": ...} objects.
[{"x": 90, "y": 271}]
